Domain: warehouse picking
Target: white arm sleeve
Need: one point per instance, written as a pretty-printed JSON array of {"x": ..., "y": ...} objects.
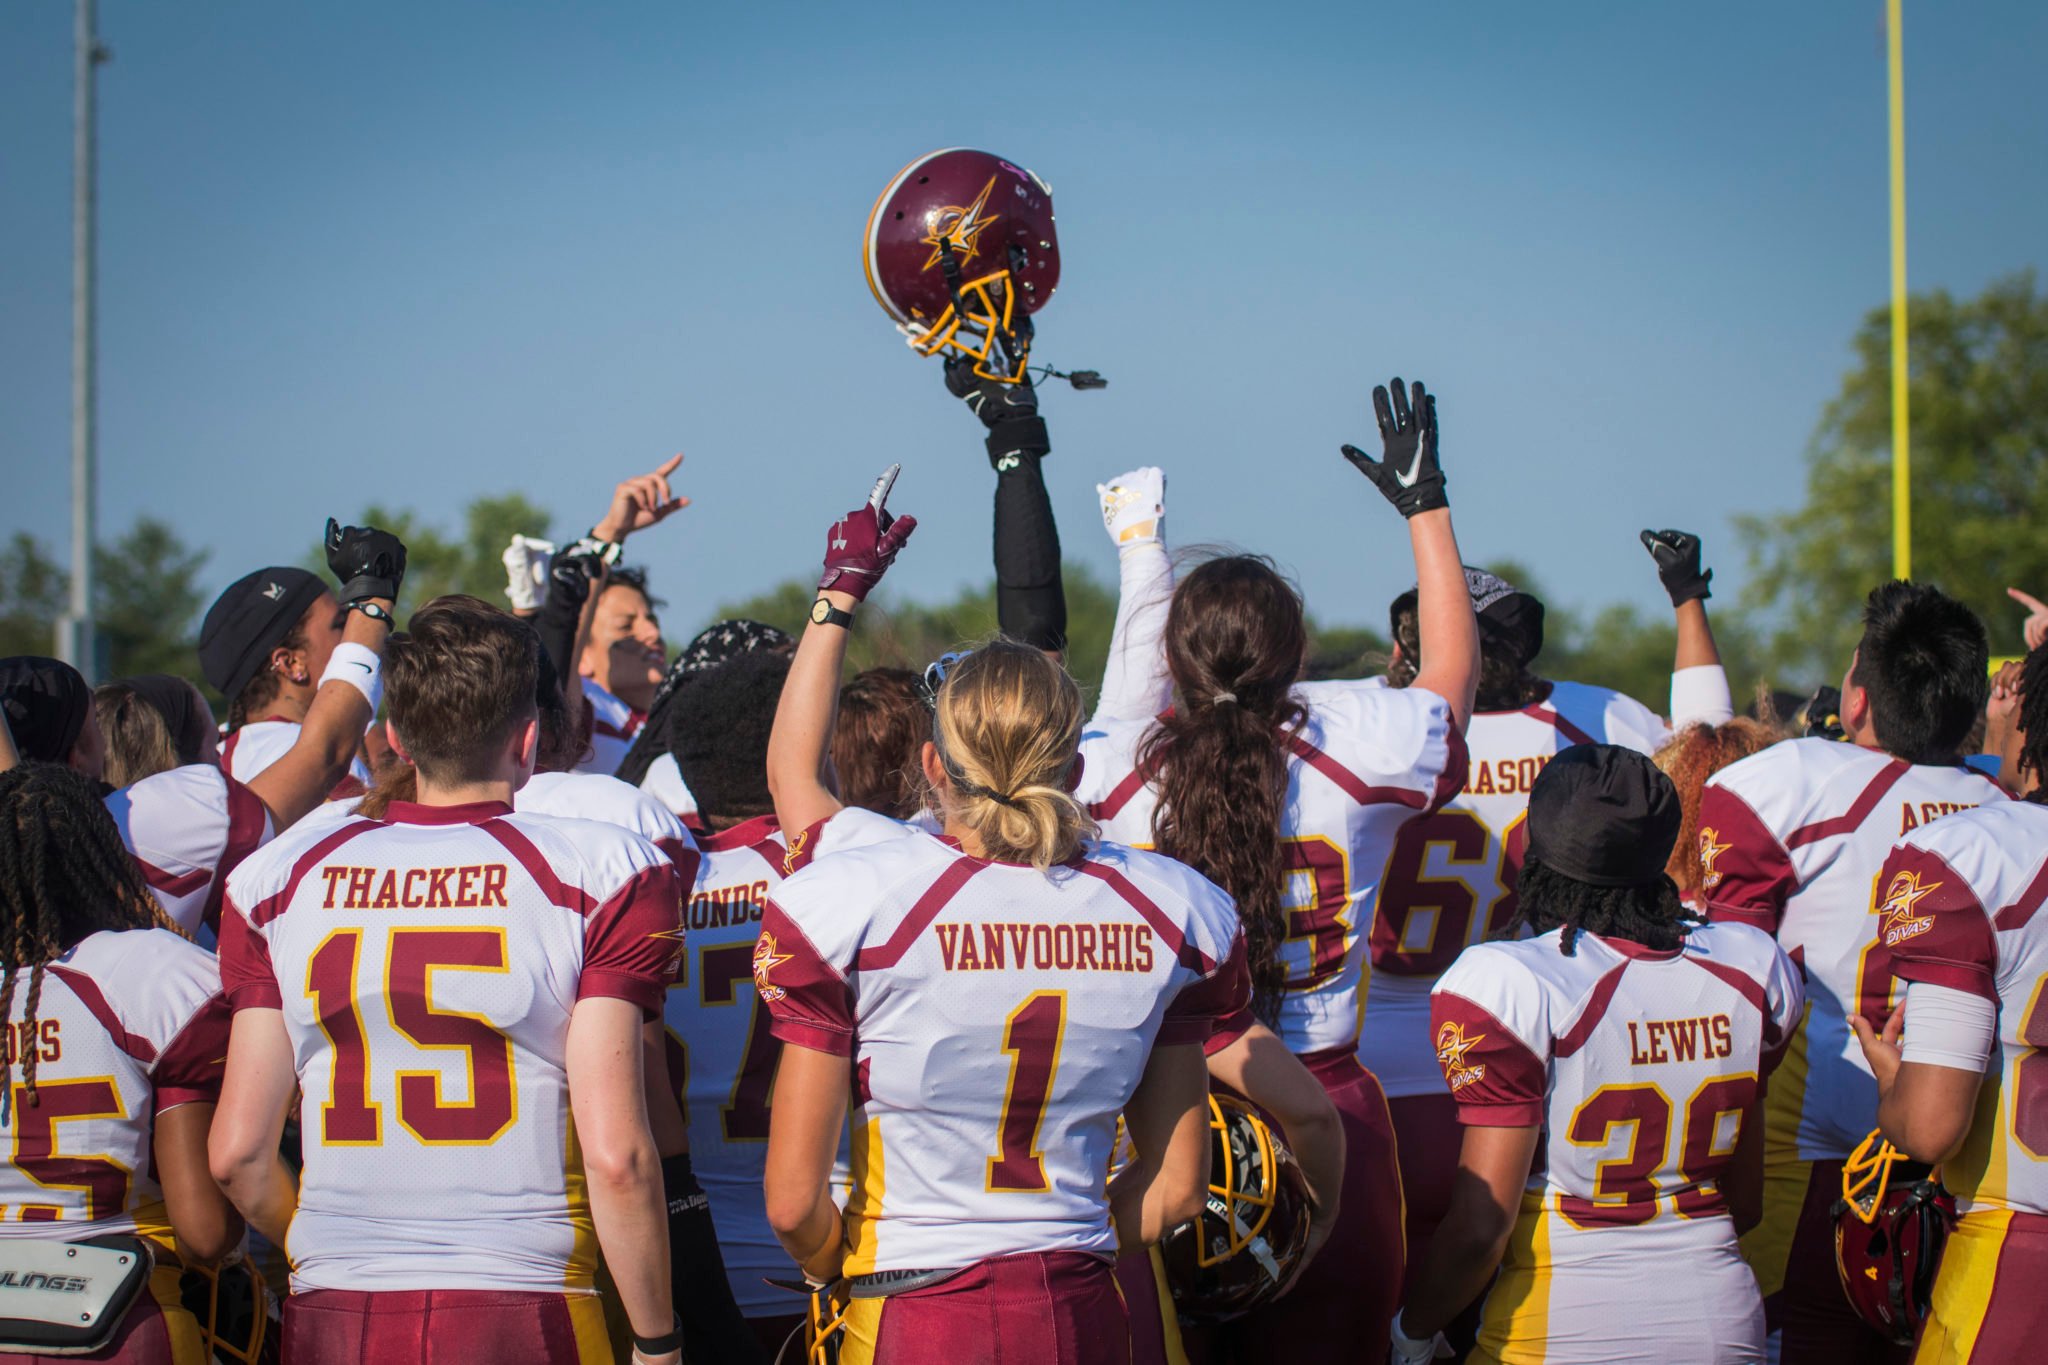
[
  {"x": 1135, "y": 683},
  {"x": 1948, "y": 1027},
  {"x": 1700, "y": 696}
]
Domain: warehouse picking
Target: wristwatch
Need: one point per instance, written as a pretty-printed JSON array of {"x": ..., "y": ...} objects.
[
  {"x": 662, "y": 1345},
  {"x": 823, "y": 613}
]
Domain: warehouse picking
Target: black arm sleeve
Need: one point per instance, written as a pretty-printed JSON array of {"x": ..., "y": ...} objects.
[{"x": 1031, "y": 600}]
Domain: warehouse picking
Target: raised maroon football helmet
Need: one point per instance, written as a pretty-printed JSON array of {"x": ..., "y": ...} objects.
[
  {"x": 1891, "y": 1223},
  {"x": 960, "y": 252},
  {"x": 1253, "y": 1228}
]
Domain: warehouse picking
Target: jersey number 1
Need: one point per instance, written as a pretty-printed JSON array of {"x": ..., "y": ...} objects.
[{"x": 1032, "y": 1037}]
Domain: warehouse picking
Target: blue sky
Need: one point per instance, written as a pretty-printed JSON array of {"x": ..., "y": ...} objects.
[{"x": 414, "y": 253}]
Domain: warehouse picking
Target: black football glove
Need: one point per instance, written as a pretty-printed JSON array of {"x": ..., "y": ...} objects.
[
  {"x": 1009, "y": 411},
  {"x": 1678, "y": 564},
  {"x": 573, "y": 570},
  {"x": 1409, "y": 475},
  {"x": 366, "y": 562}
]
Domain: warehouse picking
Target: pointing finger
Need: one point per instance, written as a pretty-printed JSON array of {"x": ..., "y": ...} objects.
[{"x": 670, "y": 466}]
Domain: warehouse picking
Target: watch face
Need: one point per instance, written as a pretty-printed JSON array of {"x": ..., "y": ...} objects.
[{"x": 821, "y": 611}]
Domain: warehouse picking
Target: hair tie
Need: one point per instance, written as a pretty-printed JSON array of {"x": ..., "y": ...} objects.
[{"x": 1222, "y": 697}]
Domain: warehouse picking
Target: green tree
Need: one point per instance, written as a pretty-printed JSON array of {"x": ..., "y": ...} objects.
[
  {"x": 148, "y": 608},
  {"x": 1978, "y": 382},
  {"x": 469, "y": 561}
]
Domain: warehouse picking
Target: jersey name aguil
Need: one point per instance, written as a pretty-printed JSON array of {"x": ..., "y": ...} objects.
[{"x": 1791, "y": 841}]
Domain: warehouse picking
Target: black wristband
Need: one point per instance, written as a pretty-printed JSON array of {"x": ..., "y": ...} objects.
[
  {"x": 1017, "y": 436},
  {"x": 662, "y": 1345},
  {"x": 372, "y": 610}
]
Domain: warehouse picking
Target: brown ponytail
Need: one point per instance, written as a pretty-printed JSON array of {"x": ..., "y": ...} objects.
[
  {"x": 1235, "y": 641},
  {"x": 1008, "y": 728}
]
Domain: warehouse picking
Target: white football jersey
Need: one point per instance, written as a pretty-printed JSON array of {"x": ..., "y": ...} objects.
[
  {"x": 426, "y": 965},
  {"x": 1450, "y": 878},
  {"x": 613, "y": 724},
  {"x": 1960, "y": 907},
  {"x": 664, "y": 782},
  {"x": 597, "y": 796},
  {"x": 249, "y": 750},
  {"x": 1792, "y": 840},
  {"x": 998, "y": 1020},
  {"x": 721, "y": 1050},
  {"x": 187, "y": 829},
  {"x": 130, "y": 1023},
  {"x": 1368, "y": 761},
  {"x": 1638, "y": 1065}
]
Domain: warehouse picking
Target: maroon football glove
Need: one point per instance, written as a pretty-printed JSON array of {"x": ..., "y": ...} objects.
[{"x": 862, "y": 544}]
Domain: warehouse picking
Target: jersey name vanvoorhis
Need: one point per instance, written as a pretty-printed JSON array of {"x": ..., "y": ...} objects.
[{"x": 997, "y": 1020}]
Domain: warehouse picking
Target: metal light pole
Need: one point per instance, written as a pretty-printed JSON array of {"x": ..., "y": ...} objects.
[
  {"x": 1902, "y": 424},
  {"x": 76, "y": 632}
]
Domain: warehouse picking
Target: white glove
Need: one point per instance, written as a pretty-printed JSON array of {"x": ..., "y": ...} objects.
[
  {"x": 1134, "y": 507},
  {"x": 1409, "y": 1351},
  {"x": 526, "y": 572}
]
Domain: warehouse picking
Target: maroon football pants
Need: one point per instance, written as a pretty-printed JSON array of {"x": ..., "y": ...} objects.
[
  {"x": 442, "y": 1327},
  {"x": 1818, "y": 1324},
  {"x": 1055, "y": 1308}
]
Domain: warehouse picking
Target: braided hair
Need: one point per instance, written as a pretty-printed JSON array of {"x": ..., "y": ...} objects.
[
  {"x": 2034, "y": 723},
  {"x": 1650, "y": 913},
  {"x": 64, "y": 875}
]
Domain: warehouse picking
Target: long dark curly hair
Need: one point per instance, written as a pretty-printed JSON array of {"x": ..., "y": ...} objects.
[
  {"x": 64, "y": 875},
  {"x": 1235, "y": 641}
]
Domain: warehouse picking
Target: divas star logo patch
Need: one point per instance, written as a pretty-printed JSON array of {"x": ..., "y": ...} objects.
[
  {"x": 766, "y": 960},
  {"x": 1711, "y": 849},
  {"x": 1451, "y": 1047},
  {"x": 1898, "y": 917}
]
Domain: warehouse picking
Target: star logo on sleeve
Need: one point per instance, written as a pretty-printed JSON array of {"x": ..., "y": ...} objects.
[
  {"x": 1898, "y": 920},
  {"x": 1451, "y": 1047},
  {"x": 1711, "y": 849},
  {"x": 677, "y": 953},
  {"x": 766, "y": 960}
]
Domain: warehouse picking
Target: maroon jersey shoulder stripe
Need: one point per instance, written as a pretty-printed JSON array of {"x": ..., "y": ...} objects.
[
  {"x": 1186, "y": 953},
  {"x": 170, "y": 883},
  {"x": 2016, "y": 915},
  {"x": 89, "y": 994},
  {"x": 572, "y": 898},
  {"x": 920, "y": 917},
  {"x": 1110, "y": 806},
  {"x": 1549, "y": 716},
  {"x": 1597, "y": 1002},
  {"x": 1859, "y": 809},
  {"x": 1350, "y": 783},
  {"x": 246, "y": 817},
  {"x": 270, "y": 907}
]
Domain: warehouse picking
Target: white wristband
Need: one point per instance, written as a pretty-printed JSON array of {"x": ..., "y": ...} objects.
[{"x": 360, "y": 667}]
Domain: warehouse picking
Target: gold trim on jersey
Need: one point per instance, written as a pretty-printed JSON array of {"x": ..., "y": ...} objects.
[
  {"x": 1976, "y": 1175},
  {"x": 864, "y": 1203},
  {"x": 1963, "y": 1287},
  {"x": 1516, "y": 1316},
  {"x": 1768, "y": 1246},
  {"x": 863, "y": 1321},
  {"x": 579, "y": 1276}
]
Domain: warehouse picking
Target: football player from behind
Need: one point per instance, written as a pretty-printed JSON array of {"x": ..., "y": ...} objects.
[
  {"x": 1973, "y": 952},
  {"x": 1792, "y": 840},
  {"x": 455, "y": 993},
  {"x": 1451, "y": 879},
  {"x": 990, "y": 1001},
  {"x": 1633, "y": 1044},
  {"x": 1290, "y": 797},
  {"x": 114, "y": 1031}
]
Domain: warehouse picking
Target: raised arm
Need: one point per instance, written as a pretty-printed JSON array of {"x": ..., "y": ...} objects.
[
  {"x": 1031, "y": 597},
  {"x": 1135, "y": 682},
  {"x": 1699, "y": 685},
  {"x": 370, "y": 565},
  {"x": 1411, "y": 477},
  {"x": 858, "y": 551}
]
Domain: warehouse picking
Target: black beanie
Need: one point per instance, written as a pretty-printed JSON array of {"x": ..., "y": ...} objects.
[
  {"x": 1603, "y": 815},
  {"x": 46, "y": 701},
  {"x": 250, "y": 619}
]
